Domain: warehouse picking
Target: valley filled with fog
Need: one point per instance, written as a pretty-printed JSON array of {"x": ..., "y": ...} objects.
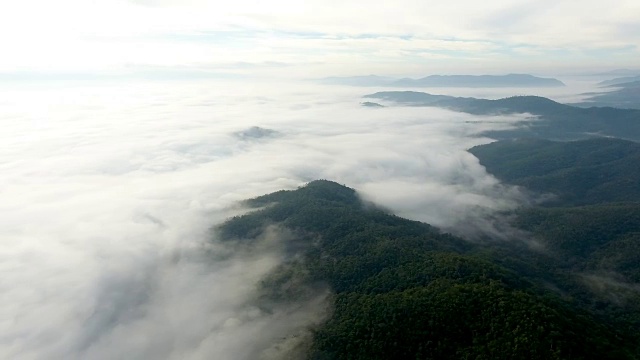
[{"x": 108, "y": 192}]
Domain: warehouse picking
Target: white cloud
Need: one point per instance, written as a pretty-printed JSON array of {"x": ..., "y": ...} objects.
[
  {"x": 107, "y": 194},
  {"x": 77, "y": 35}
]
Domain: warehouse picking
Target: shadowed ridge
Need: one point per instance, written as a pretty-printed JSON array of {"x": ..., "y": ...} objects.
[
  {"x": 530, "y": 101},
  {"x": 554, "y": 121},
  {"x": 579, "y": 172}
]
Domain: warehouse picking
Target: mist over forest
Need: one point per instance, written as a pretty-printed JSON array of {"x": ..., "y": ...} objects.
[
  {"x": 318, "y": 181},
  {"x": 126, "y": 232},
  {"x": 164, "y": 169}
]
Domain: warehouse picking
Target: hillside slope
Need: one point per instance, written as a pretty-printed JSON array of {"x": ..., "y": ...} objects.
[
  {"x": 578, "y": 172},
  {"x": 592, "y": 227},
  {"x": 403, "y": 290}
]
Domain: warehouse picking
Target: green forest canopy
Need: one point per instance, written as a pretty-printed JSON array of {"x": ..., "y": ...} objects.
[{"x": 404, "y": 290}]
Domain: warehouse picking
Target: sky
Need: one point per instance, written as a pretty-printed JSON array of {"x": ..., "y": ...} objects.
[{"x": 315, "y": 38}]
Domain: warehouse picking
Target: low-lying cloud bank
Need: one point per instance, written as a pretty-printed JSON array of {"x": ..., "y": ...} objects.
[{"x": 108, "y": 192}]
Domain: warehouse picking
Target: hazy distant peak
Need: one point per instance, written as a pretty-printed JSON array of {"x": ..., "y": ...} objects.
[
  {"x": 618, "y": 81},
  {"x": 509, "y": 80},
  {"x": 624, "y": 95}
]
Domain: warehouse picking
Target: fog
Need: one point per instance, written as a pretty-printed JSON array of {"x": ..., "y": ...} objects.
[{"x": 107, "y": 193}]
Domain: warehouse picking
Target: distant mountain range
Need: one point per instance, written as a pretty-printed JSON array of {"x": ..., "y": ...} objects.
[
  {"x": 475, "y": 81},
  {"x": 619, "y": 81},
  {"x": 511, "y": 80},
  {"x": 555, "y": 121},
  {"x": 626, "y": 96}
]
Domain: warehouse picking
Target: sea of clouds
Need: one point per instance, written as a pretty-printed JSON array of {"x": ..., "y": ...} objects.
[{"x": 108, "y": 192}]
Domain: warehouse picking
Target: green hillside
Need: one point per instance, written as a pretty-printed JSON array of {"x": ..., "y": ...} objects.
[
  {"x": 592, "y": 226},
  {"x": 404, "y": 290},
  {"x": 578, "y": 173}
]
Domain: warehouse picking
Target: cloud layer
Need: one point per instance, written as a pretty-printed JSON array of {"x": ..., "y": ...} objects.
[{"x": 107, "y": 194}]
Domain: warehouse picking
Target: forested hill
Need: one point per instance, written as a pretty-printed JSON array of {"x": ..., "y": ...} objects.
[
  {"x": 578, "y": 172},
  {"x": 404, "y": 290},
  {"x": 555, "y": 121},
  {"x": 592, "y": 226}
]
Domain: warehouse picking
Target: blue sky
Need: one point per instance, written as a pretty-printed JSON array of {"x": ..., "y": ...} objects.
[{"x": 317, "y": 38}]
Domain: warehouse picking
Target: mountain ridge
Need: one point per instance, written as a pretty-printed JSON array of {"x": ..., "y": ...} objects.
[
  {"x": 624, "y": 95},
  {"x": 619, "y": 81},
  {"x": 555, "y": 121},
  {"x": 472, "y": 81},
  {"x": 404, "y": 290}
]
